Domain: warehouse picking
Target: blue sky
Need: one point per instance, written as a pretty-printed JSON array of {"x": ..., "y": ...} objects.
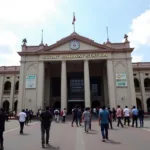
[{"x": 25, "y": 19}]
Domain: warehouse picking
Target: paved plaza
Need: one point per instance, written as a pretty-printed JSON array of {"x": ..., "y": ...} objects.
[{"x": 65, "y": 137}]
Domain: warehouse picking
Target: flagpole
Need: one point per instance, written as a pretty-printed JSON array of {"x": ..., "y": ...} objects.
[{"x": 74, "y": 22}]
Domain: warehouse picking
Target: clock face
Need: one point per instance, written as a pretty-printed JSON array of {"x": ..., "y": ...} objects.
[{"x": 74, "y": 45}]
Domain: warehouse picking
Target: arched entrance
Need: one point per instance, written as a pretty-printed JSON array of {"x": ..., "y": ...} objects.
[
  {"x": 138, "y": 103},
  {"x": 95, "y": 104},
  {"x": 56, "y": 105},
  {"x": 6, "y": 105},
  {"x": 15, "y": 105},
  {"x": 148, "y": 105}
]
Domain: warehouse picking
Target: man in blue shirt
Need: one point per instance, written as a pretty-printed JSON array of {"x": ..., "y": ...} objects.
[
  {"x": 103, "y": 122},
  {"x": 134, "y": 116}
]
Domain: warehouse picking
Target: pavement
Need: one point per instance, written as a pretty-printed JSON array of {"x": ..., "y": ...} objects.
[{"x": 65, "y": 137}]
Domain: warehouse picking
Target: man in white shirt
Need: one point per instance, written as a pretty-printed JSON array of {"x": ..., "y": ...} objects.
[
  {"x": 56, "y": 112},
  {"x": 64, "y": 113},
  {"x": 22, "y": 117},
  {"x": 126, "y": 112}
]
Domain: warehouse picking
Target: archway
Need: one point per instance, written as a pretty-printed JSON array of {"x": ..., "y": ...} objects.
[
  {"x": 15, "y": 105},
  {"x": 147, "y": 82},
  {"x": 138, "y": 103},
  {"x": 95, "y": 104},
  {"x": 6, "y": 105},
  {"x": 148, "y": 105},
  {"x": 136, "y": 83},
  {"x": 56, "y": 105},
  {"x": 7, "y": 87}
]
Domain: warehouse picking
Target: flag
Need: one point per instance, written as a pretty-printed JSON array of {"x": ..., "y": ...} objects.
[{"x": 74, "y": 18}]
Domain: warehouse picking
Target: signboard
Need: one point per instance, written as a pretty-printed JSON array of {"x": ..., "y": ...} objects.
[
  {"x": 31, "y": 81},
  {"x": 121, "y": 79}
]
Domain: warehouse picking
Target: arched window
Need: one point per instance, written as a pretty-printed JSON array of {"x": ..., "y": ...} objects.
[
  {"x": 138, "y": 103},
  {"x": 17, "y": 87},
  {"x": 6, "y": 105},
  {"x": 148, "y": 105},
  {"x": 147, "y": 84},
  {"x": 7, "y": 87},
  {"x": 136, "y": 83}
]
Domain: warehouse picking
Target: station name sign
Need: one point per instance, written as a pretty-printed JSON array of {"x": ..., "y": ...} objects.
[{"x": 74, "y": 56}]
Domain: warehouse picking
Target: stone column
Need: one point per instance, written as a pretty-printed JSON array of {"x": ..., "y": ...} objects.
[
  {"x": 40, "y": 85},
  {"x": 87, "y": 92},
  {"x": 1, "y": 89},
  {"x": 63, "y": 85},
  {"x": 12, "y": 92},
  {"x": 111, "y": 84},
  {"x": 142, "y": 89},
  {"x": 131, "y": 83},
  {"x": 21, "y": 86}
]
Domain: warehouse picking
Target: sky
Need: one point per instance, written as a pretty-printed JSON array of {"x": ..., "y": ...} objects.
[{"x": 26, "y": 18}]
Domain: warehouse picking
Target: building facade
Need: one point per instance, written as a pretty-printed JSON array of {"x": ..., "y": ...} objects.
[{"x": 75, "y": 70}]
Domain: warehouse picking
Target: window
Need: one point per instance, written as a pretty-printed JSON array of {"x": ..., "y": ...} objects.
[
  {"x": 134, "y": 74},
  {"x": 8, "y": 77}
]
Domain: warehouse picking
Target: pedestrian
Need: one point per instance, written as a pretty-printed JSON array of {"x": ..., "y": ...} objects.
[
  {"x": 2, "y": 127},
  {"x": 103, "y": 122},
  {"x": 22, "y": 119},
  {"x": 64, "y": 113},
  {"x": 86, "y": 118},
  {"x": 79, "y": 116},
  {"x": 46, "y": 119},
  {"x": 134, "y": 116},
  {"x": 110, "y": 118},
  {"x": 75, "y": 116},
  {"x": 56, "y": 113},
  {"x": 126, "y": 112},
  {"x": 114, "y": 114},
  {"x": 27, "y": 116},
  {"x": 141, "y": 117},
  {"x": 119, "y": 116}
]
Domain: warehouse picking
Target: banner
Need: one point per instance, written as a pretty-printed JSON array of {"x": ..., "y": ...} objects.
[
  {"x": 121, "y": 79},
  {"x": 31, "y": 81}
]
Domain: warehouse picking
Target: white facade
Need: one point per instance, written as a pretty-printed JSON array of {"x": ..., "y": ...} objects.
[{"x": 109, "y": 63}]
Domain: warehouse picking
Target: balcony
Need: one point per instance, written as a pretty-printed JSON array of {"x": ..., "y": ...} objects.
[
  {"x": 147, "y": 89},
  {"x": 6, "y": 92},
  {"x": 16, "y": 92},
  {"x": 137, "y": 89}
]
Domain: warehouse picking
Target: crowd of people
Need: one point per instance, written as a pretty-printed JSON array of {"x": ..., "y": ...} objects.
[{"x": 105, "y": 116}]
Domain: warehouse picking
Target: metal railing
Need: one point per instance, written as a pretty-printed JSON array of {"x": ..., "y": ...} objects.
[
  {"x": 137, "y": 89},
  {"x": 16, "y": 92},
  {"x": 147, "y": 89}
]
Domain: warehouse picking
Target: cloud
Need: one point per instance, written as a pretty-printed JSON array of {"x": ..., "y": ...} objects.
[
  {"x": 137, "y": 58},
  {"x": 28, "y": 11},
  {"x": 140, "y": 30},
  {"x": 8, "y": 49}
]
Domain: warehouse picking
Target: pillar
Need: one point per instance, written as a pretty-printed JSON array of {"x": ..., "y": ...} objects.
[
  {"x": 142, "y": 89},
  {"x": 63, "y": 85},
  {"x": 40, "y": 86},
  {"x": 131, "y": 83},
  {"x": 111, "y": 84},
  {"x": 1, "y": 90},
  {"x": 87, "y": 92},
  {"x": 21, "y": 86},
  {"x": 12, "y": 93}
]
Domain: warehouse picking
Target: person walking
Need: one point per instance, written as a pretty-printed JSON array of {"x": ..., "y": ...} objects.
[
  {"x": 79, "y": 116},
  {"x": 86, "y": 117},
  {"x": 110, "y": 118},
  {"x": 141, "y": 117},
  {"x": 134, "y": 116},
  {"x": 75, "y": 116},
  {"x": 22, "y": 119},
  {"x": 119, "y": 116},
  {"x": 103, "y": 122},
  {"x": 56, "y": 113},
  {"x": 46, "y": 118},
  {"x": 64, "y": 113},
  {"x": 126, "y": 112},
  {"x": 114, "y": 114},
  {"x": 2, "y": 127}
]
